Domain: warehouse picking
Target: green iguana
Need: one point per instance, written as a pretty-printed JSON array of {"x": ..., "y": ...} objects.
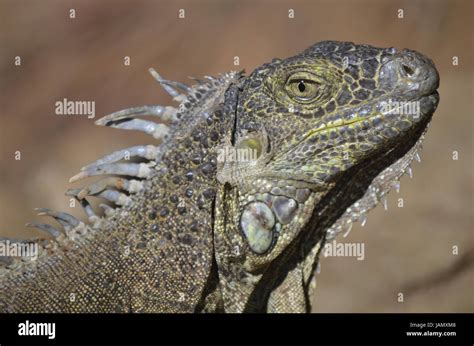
[{"x": 253, "y": 174}]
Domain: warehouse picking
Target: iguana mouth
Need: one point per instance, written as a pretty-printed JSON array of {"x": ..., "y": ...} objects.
[
  {"x": 430, "y": 105},
  {"x": 427, "y": 106}
]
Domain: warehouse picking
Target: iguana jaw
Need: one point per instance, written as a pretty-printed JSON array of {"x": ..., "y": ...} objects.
[
  {"x": 382, "y": 130},
  {"x": 387, "y": 128},
  {"x": 330, "y": 125}
]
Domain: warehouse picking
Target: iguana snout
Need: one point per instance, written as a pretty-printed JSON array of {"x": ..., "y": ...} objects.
[{"x": 410, "y": 73}]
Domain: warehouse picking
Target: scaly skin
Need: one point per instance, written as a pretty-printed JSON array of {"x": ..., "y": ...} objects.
[{"x": 206, "y": 232}]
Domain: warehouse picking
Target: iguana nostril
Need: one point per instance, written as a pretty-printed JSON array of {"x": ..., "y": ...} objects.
[{"x": 408, "y": 70}]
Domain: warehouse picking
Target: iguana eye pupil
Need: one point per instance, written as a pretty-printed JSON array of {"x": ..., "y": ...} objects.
[{"x": 301, "y": 86}]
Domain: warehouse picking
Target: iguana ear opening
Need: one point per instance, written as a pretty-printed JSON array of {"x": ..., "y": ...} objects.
[{"x": 251, "y": 147}]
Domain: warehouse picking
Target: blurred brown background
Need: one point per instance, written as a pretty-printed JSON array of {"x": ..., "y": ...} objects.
[{"x": 407, "y": 249}]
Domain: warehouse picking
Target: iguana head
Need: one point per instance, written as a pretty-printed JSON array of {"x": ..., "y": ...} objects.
[{"x": 323, "y": 126}]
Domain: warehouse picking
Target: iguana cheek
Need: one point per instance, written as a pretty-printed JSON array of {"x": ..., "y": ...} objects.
[
  {"x": 284, "y": 209},
  {"x": 257, "y": 222}
]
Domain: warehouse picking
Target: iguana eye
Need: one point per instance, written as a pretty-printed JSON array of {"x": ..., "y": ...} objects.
[{"x": 302, "y": 88}]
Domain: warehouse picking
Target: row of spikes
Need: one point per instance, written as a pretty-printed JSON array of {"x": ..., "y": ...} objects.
[
  {"x": 109, "y": 188},
  {"x": 377, "y": 195},
  {"x": 377, "y": 192}
]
